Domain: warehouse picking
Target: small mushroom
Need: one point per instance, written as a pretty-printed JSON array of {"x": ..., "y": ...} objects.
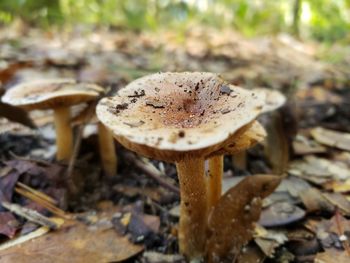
[
  {"x": 183, "y": 124},
  {"x": 248, "y": 138},
  {"x": 107, "y": 151},
  {"x": 254, "y": 134},
  {"x": 273, "y": 100},
  {"x": 58, "y": 95}
]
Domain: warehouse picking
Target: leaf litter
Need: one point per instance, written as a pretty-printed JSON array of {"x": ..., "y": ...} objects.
[{"x": 313, "y": 191}]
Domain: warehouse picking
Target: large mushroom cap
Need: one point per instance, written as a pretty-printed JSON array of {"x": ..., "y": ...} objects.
[
  {"x": 167, "y": 115},
  {"x": 51, "y": 93}
]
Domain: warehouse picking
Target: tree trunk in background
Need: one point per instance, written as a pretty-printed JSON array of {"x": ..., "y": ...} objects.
[{"x": 296, "y": 17}]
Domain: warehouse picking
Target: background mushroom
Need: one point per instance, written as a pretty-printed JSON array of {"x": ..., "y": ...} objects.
[
  {"x": 106, "y": 145},
  {"x": 273, "y": 100},
  {"x": 251, "y": 136},
  {"x": 248, "y": 138},
  {"x": 181, "y": 118},
  {"x": 58, "y": 95}
]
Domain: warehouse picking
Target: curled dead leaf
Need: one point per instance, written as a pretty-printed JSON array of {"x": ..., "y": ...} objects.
[{"x": 230, "y": 223}]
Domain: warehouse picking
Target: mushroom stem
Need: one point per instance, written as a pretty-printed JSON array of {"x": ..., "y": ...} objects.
[
  {"x": 240, "y": 160},
  {"x": 216, "y": 166},
  {"x": 193, "y": 208},
  {"x": 64, "y": 136},
  {"x": 107, "y": 150}
]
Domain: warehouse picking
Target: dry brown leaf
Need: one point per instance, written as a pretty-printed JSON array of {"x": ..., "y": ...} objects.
[
  {"x": 338, "y": 200},
  {"x": 8, "y": 224},
  {"x": 269, "y": 240},
  {"x": 73, "y": 242},
  {"x": 7, "y": 73},
  {"x": 340, "y": 187},
  {"x": 251, "y": 255},
  {"x": 331, "y": 256},
  {"x": 314, "y": 201},
  {"x": 304, "y": 146},
  {"x": 319, "y": 170},
  {"x": 280, "y": 214},
  {"x": 15, "y": 114},
  {"x": 332, "y": 138},
  {"x": 230, "y": 223}
]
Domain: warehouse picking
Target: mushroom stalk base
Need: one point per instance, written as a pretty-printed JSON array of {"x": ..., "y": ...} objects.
[
  {"x": 64, "y": 136},
  {"x": 216, "y": 167},
  {"x": 107, "y": 150},
  {"x": 193, "y": 208}
]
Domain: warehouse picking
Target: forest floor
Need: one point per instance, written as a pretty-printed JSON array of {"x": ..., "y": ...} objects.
[{"x": 133, "y": 216}]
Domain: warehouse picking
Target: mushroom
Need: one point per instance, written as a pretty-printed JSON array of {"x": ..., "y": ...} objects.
[
  {"x": 107, "y": 152},
  {"x": 181, "y": 118},
  {"x": 253, "y": 135},
  {"x": 249, "y": 137},
  {"x": 58, "y": 95}
]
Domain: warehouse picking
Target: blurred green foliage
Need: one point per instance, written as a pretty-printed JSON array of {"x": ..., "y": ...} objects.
[{"x": 324, "y": 20}]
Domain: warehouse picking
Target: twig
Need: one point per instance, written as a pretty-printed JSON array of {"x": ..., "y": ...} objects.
[
  {"x": 14, "y": 242},
  {"x": 37, "y": 193},
  {"x": 38, "y": 198},
  {"x": 22, "y": 158},
  {"x": 30, "y": 215},
  {"x": 150, "y": 170}
]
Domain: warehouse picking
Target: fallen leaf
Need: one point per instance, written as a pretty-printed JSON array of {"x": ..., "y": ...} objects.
[
  {"x": 155, "y": 257},
  {"x": 267, "y": 246},
  {"x": 330, "y": 233},
  {"x": 314, "y": 201},
  {"x": 73, "y": 242},
  {"x": 8, "y": 224},
  {"x": 7, "y": 73},
  {"x": 332, "y": 256},
  {"x": 15, "y": 114},
  {"x": 338, "y": 200},
  {"x": 332, "y": 138},
  {"x": 280, "y": 214},
  {"x": 142, "y": 228},
  {"x": 269, "y": 240},
  {"x": 340, "y": 187},
  {"x": 304, "y": 146},
  {"x": 319, "y": 170},
  {"x": 251, "y": 254},
  {"x": 230, "y": 223},
  {"x": 7, "y": 185}
]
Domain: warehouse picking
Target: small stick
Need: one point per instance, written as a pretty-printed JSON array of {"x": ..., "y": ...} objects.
[
  {"x": 17, "y": 241},
  {"x": 37, "y": 193},
  {"x": 22, "y": 158},
  {"x": 30, "y": 215},
  {"x": 150, "y": 170},
  {"x": 49, "y": 206}
]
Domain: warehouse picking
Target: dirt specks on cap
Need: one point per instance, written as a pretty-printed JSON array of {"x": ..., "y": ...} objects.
[
  {"x": 135, "y": 124},
  {"x": 155, "y": 103},
  {"x": 138, "y": 93}
]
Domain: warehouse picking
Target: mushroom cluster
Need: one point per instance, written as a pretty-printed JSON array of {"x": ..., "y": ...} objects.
[{"x": 186, "y": 118}]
